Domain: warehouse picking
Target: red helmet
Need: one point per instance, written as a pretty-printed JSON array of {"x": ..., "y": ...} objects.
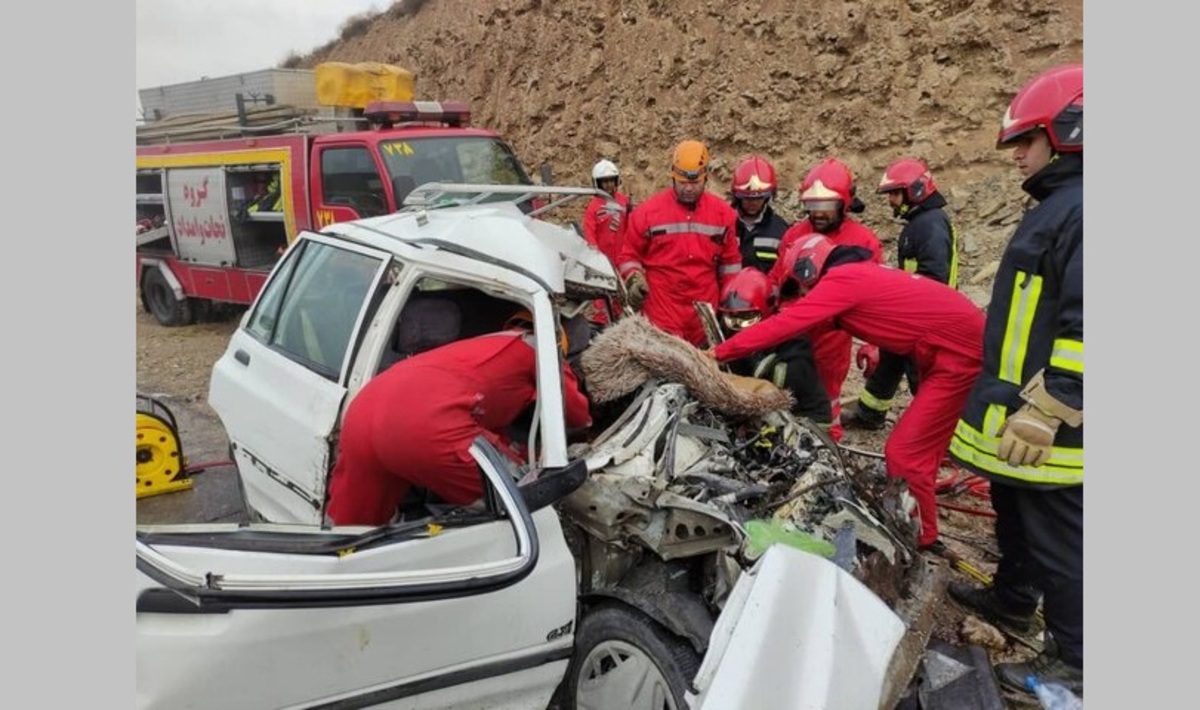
[
  {"x": 753, "y": 177},
  {"x": 746, "y": 299},
  {"x": 910, "y": 175},
  {"x": 1052, "y": 101},
  {"x": 804, "y": 260},
  {"x": 829, "y": 180}
]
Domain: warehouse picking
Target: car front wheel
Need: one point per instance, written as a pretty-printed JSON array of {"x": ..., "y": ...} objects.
[{"x": 624, "y": 660}]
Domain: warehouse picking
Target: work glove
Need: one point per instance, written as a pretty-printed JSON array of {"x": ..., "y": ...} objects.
[
  {"x": 638, "y": 290},
  {"x": 867, "y": 358},
  {"x": 1027, "y": 436}
]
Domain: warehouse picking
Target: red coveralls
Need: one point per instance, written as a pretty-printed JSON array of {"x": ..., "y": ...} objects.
[
  {"x": 414, "y": 423},
  {"x": 832, "y": 349},
  {"x": 940, "y": 328},
  {"x": 686, "y": 253},
  {"x": 605, "y": 223}
]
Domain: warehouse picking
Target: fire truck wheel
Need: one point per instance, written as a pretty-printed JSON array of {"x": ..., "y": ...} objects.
[
  {"x": 202, "y": 310},
  {"x": 160, "y": 300}
]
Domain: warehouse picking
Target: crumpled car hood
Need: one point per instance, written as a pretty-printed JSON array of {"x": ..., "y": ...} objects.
[{"x": 696, "y": 465}]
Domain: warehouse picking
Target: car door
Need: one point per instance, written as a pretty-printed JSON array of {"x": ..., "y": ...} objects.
[
  {"x": 467, "y": 609},
  {"x": 279, "y": 387}
]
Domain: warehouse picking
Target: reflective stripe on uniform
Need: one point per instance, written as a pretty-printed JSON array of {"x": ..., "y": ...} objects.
[
  {"x": 870, "y": 401},
  {"x": 727, "y": 269},
  {"x": 909, "y": 265},
  {"x": 1067, "y": 355},
  {"x": 952, "y": 276},
  {"x": 766, "y": 255},
  {"x": 629, "y": 266},
  {"x": 1021, "y": 310},
  {"x": 708, "y": 230},
  {"x": 1064, "y": 467},
  {"x": 760, "y": 370},
  {"x": 779, "y": 375},
  {"x": 766, "y": 243}
]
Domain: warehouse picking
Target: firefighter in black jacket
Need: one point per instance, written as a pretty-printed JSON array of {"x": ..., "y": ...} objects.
[
  {"x": 759, "y": 228},
  {"x": 1022, "y": 427},
  {"x": 928, "y": 245}
]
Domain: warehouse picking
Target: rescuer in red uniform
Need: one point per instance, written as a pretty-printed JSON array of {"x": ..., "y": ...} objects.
[
  {"x": 913, "y": 316},
  {"x": 827, "y": 195},
  {"x": 605, "y": 219},
  {"x": 605, "y": 222},
  {"x": 413, "y": 424},
  {"x": 682, "y": 246}
]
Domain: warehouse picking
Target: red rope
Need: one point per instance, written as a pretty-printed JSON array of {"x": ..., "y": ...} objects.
[{"x": 957, "y": 482}]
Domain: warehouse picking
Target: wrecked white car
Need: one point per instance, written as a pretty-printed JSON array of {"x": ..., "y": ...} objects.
[{"x": 633, "y": 567}]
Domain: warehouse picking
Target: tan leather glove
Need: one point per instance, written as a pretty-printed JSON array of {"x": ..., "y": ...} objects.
[
  {"x": 1028, "y": 435},
  {"x": 638, "y": 290}
]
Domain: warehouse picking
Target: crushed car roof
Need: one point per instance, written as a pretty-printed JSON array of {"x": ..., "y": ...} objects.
[{"x": 452, "y": 218}]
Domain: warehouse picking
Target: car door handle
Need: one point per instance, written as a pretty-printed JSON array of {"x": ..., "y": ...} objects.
[{"x": 242, "y": 356}]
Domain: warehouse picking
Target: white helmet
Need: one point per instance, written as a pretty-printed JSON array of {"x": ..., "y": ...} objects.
[{"x": 604, "y": 169}]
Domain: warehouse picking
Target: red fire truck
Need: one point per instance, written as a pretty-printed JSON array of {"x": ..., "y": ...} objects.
[{"x": 213, "y": 216}]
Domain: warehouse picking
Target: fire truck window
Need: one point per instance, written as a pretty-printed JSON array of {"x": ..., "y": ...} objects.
[
  {"x": 349, "y": 177},
  {"x": 476, "y": 160}
]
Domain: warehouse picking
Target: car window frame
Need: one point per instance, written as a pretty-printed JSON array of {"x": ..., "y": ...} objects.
[
  {"x": 278, "y": 293},
  {"x": 185, "y": 590}
]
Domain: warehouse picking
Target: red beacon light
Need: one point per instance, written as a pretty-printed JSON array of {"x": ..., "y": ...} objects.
[{"x": 388, "y": 114}]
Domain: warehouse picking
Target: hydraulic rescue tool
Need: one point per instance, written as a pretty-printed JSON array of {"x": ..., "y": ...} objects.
[{"x": 161, "y": 466}]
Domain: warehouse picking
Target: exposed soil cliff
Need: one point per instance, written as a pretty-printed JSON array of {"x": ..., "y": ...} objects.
[{"x": 569, "y": 82}]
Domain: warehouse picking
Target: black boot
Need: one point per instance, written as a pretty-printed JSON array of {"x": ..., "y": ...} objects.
[
  {"x": 858, "y": 416},
  {"x": 985, "y": 602},
  {"x": 1048, "y": 666}
]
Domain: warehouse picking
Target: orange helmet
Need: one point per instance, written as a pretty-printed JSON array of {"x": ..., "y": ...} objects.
[
  {"x": 754, "y": 177},
  {"x": 910, "y": 175},
  {"x": 829, "y": 180},
  {"x": 689, "y": 162},
  {"x": 1052, "y": 101},
  {"x": 746, "y": 299},
  {"x": 805, "y": 259}
]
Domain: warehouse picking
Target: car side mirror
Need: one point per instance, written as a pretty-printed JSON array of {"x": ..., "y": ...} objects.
[{"x": 554, "y": 484}]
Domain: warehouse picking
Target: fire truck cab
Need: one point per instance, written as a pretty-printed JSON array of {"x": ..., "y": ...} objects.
[{"x": 213, "y": 216}]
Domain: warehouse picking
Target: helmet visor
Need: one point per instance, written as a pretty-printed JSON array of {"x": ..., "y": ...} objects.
[
  {"x": 740, "y": 319},
  {"x": 821, "y": 205}
]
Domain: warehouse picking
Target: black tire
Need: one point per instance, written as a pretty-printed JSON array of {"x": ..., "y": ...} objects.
[
  {"x": 613, "y": 636},
  {"x": 160, "y": 300},
  {"x": 202, "y": 310}
]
